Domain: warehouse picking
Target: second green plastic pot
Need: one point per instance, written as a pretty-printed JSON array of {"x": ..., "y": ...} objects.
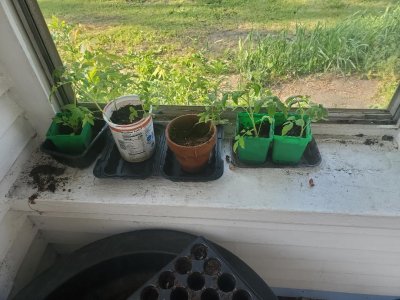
[
  {"x": 256, "y": 148},
  {"x": 289, "y": 149},
  {"x": 70, "y": 144}
]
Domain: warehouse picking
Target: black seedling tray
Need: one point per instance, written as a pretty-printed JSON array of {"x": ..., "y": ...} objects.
[
  {"x": 86, "y": 158},
  {"x": 199, "y": 272},
  {"x": 162, "y": 163},
  {"x": 311, "y": 158}
]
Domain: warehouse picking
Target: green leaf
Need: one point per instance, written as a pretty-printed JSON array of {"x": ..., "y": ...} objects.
[
  {"x": 92, "y": 74},
  {"x": 286, "y": 128},
  {"x": 266, "y": 118},
  {"x": 236, "y": 95},
  {"x": 235, "y": 146},
  {"x": 256, "y": 88},
  {"x": 241, "y": 142},
  {"x": 134, "y": 114},
  {"x": 300, "y": 122},
  {"x": 224, "y": 99}
]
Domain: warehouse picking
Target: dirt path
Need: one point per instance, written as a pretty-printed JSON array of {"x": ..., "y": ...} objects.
[
  {"x": 330, "y": 90},
  {"x": 333, "y": 91}
]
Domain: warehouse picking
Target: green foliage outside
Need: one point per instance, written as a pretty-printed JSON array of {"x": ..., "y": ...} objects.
[
  {"x": 100, "y": 76},
  {"x": 162, "y": 49},
  {"x": 362, "y": 44}
]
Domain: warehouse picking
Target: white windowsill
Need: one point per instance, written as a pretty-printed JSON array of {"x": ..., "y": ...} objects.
[
  {"x": 340, "y": 235},
  {"x": 353, "y": 180}
]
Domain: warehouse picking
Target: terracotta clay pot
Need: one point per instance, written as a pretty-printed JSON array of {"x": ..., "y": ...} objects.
[{"x": 191, "y": 158}]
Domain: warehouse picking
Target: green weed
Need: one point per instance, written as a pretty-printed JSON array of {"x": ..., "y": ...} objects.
[
  {"x": 162, "y": 48},
  {"x": 361, "y": 44}
]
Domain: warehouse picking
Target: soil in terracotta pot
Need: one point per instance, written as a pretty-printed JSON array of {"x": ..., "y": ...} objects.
[
  {"x": 295, "y": 131},
  {"x": 192, "y": 136},
  {"x": 121, "y": 115},
  {"x": 264, "y": 131}
]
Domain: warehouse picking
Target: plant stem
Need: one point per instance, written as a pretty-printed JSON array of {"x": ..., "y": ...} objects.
[{"x": 251, "y": 115}]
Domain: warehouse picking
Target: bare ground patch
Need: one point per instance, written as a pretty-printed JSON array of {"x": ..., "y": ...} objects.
[
  {"x": 333, "y": 91},
  {"x": 330, "y": 90}
]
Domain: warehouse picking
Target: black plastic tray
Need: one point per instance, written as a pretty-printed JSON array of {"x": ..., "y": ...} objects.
[
  {"x": 199, "y": 272},
  {"x": 162, "y": 163},
  {"x": 86, "y": 158},
  {"x": 311, "y": 158}
]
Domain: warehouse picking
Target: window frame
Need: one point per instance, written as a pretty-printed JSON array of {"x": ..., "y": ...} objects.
[{"x": 39, "y": 35}]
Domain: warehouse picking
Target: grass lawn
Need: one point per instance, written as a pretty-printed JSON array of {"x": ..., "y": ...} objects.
[
  {"x": 213, "y": 27},
  {"x": 181, "y": 24}
]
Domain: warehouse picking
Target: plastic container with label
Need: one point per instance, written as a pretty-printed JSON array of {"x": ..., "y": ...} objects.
[{"x": 136, "y": 141}]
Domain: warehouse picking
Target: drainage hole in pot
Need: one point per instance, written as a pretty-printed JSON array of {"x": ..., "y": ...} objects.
[
  {"x": 212, "y": 266},
  {"x": 149, "y": 293},
  {"x": 199, "y": 251},
  {"x": 179, "y": 293},
  {"x": 166, "y": 280},
  {"x": 209, "y": 294},
  {"x": 241, "y": 295},
  {"x": 196, "y": 281},
  {"x": 226, "y": 282},
  {"x": 183, "y": 265}
]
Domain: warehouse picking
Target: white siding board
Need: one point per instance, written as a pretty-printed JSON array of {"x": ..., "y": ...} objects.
[
  {"x": 65, "y": 249},
  {"x": 74, "y": 238},
  {"x": 48, "y": 258},
  {"x": 9, "y": 112},
  {"x": 258, "y": 254},
  {"x": 10, "y": 226},
  {"x": 29, "y": 264},
  {"x": 302, "y": 283},
  {"x": 279, "y": 256},
  {"x": 5, "y": 82},
  {"x": 310, "y": 265},
  {"x": 231, "y": 232},
  {"x": 317, "y": 253},
  {"x": 23, "y": 67},
  {"x": 13, "y": 142},
  {"x": 14, "y": 257},
  {"x": 280, "y": 265}
]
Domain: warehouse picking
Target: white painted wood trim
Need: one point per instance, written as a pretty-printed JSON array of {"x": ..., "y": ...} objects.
[
  {"x": 13, "y": 142},
  {"x": 22, "y": 66},
  {"x": 18, "y": 248}
]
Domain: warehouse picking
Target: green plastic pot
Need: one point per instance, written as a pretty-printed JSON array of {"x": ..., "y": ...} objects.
[
  {"x": 289, "y": 149},
  {"x": 71, "y": 144},
  {"x": 256, "y": 148}
]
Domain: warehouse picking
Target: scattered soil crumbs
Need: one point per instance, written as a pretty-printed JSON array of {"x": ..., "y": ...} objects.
[
  {"x": 46, "y": 178},
  {"x": 369, "y": 142},
  {"x": 311, "y": 182},
  {"x": 33, "y": 197},
  {"x": 388, "y": 138}
]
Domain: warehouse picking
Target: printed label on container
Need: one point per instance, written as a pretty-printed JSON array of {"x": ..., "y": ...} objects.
[{"x": 136, "y": 144}]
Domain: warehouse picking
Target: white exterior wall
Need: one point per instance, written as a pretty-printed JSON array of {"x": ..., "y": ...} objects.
[{"x": 24, "y": 113}]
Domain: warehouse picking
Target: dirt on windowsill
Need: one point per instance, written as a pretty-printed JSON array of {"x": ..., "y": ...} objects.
[{"x": 46, "y": 178}]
